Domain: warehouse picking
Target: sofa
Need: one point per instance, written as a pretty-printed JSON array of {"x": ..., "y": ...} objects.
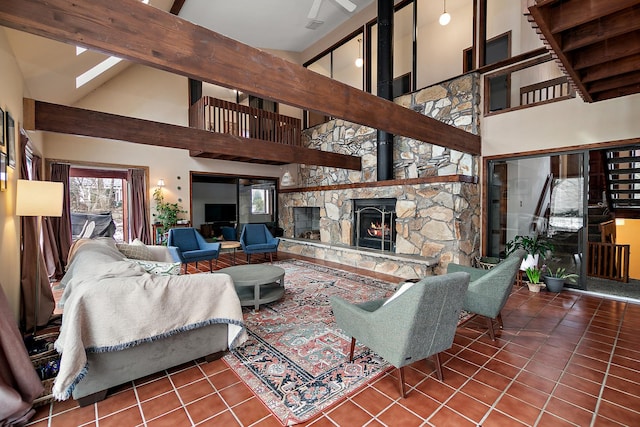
[{"x": 128, "y": 313}]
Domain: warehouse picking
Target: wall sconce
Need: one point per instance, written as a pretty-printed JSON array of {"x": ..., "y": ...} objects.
[
  {"x": 359, "y": 60},
  {"x": 445, "y": 18},
  {"x": 161, "y": 183}
]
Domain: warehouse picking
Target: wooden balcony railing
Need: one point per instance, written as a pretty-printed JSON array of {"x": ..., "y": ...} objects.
[
  {"x": 553, "y": 89},
  {"x": 216, "y": 115},
  {"x": 608, "y": 261}
]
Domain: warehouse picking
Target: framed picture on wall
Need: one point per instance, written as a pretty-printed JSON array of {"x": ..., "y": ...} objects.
[
  {"x": 11, "y": 139},
  {"x": 3, "y": 172},
  {"x": 1, "y": 128}
]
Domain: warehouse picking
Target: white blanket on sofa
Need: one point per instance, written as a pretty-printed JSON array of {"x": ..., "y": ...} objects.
[{"x": 111, "y": 304}]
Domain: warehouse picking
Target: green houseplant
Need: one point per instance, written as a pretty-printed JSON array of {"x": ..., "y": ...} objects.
[
  {"x": 167, "y": 213},
  {"x": 534, "y": 246},
  {"x": 554, "y": 279},
  {"x": 534, "y": 274}
]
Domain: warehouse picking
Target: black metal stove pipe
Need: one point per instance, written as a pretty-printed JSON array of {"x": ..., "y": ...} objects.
[{"x": 385, "y": 84}]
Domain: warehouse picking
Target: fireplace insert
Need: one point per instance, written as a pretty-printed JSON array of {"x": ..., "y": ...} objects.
[{"x": 375, "y": 223}]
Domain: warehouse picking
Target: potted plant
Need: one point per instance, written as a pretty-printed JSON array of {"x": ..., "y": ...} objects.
[
  {"x": 534, "y": 247},
  {"x": 555, "y": 279},
  {"x": 534, "y": 274},
  {"x": 167, "y": 213}
]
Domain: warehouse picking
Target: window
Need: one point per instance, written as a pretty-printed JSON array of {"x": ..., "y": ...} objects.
[{"x": 260, "y": 201}]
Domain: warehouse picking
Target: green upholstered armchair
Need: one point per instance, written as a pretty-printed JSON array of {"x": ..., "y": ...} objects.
[
  {"x": 411, "y": 325},
  {"x": 489, "y": 289}
]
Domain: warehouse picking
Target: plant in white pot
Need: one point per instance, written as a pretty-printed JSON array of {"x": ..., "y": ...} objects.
[
  {"x": 534, "y": 246},
  {"x": 554, "y": 279},
  {"x": 534, "y": 274}
]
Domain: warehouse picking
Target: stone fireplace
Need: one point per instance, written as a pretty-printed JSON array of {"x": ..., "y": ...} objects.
[
  {"x": 306, "y": 223},
  {"x": 375, "y": 224}
]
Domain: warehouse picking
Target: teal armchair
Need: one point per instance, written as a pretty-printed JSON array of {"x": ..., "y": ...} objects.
[
  {"x": 489, "y": 289},
  {"x": 413, "y": 325}
]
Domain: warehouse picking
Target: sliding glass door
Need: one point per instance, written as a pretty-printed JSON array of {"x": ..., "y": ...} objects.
[{"x": 540, "y": 196}]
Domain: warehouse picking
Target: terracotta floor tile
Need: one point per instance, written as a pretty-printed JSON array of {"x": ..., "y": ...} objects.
[
  {"x": 576, "y": 397},
  {"x": 214, "y": 367},
  {"x": 502, "y": 368},
  {"x": 543, "y": 370},
  {"x": 348, "y": 413},
  {"x": 481, "y": 392},
  {"x": 225, "y": 419},
  {"x": 467, "y": 406},
  {"x": 397, "y": 415},
  {"x": 447, "y": 417},
  {"x": 372, "y": 401},
  {"x": 621, "y": 398},
  {"x": 195, "y": 391},
  {"x": 177, "y": 417},
  {"x": 528, "y": 394},
  {"x": 127, "y": 417},
  {"x": 586, "y": 386},
  {"x": 236, "y": 393},
  {"x": 465, "y": 367},
  {"x": 436, "y": 390},
  {"x": 64, "y": 406},
  {"x": 117, "y": 402},
  {"x": 153, "y": 389},
  {"x": 518, "y": 409},
  {"x": 162, "y": 404},
  {"x": 224, "y": 379},
  {"x": 584, "y": 372},
  {"x": 206, "y": 408},
  {"x": 74, "y": 417},
  {"x": 550, "y": 420},
  {"x": 250, "y": 411},
  {"x": 492, "y": 379},
  {"x": 511, "y": 358},
  {"x": 452, "y": 378},
  {"x": 186, "y": 376},
  {"x": 569, "y": 412},
  {"x": 420, "y": 404},
  {"x": 536, "y": 381},
  {"x": 624, "y": 384},
  {"x": 388, "y": 385}
]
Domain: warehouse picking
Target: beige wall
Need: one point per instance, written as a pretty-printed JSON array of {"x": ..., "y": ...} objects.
[
  {"x": 11, "y": 89},
  {"x": 151, "y": 94}
]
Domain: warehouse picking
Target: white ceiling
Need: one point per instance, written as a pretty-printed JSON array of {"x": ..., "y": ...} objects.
[{"x": 50, "y": 68}]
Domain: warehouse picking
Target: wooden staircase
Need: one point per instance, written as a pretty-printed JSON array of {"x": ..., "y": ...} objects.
[{"x": 622, "y": 168}]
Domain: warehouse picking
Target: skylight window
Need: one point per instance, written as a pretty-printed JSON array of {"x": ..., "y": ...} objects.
[{"x": 94, "y": 72}]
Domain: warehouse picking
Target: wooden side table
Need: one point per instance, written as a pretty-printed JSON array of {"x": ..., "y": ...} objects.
[{"x": 228, "y": 245}]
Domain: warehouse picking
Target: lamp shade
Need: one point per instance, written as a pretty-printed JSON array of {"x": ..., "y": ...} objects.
[{"x": 39, "y": 198}]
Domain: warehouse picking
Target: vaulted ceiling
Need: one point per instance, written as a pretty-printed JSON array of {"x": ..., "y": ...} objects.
[{"x": 597, "y": 42}]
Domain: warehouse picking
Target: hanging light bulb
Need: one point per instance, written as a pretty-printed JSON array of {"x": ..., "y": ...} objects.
[
  {"x": 445, "y": 18},
  {"x": 359, "y": 60}
]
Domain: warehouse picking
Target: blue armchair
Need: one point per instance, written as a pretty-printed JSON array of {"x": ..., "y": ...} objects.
[
  {"x": 256, "y": 239},
  {"x": 190, "y": 246},
  {"x": 229, "y": 233}
]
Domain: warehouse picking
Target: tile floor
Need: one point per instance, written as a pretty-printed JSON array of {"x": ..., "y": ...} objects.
[{"x": 567, "y": 359}]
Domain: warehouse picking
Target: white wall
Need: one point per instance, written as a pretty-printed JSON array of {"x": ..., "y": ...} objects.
[
  {"x": 151, "y": 94},
  {"x": 561, "y": 124},
  {"x": 11, "y": 92}
]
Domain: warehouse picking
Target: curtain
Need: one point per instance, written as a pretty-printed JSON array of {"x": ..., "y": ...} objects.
[
  {"x": 30, "y": 257},
  {"x": 19, "y": 383},
  {"x": 139, "y": 209},
  {"x": 61, "y": 227}
]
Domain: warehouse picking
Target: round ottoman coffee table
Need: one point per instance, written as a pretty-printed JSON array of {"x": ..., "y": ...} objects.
[{"x": 257, "y": 283}]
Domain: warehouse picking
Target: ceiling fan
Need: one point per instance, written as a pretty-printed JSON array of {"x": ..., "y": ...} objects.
[{"x": 315, "y": 8}]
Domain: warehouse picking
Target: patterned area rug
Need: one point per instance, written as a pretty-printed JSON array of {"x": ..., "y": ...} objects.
[{"x": 296, "y": 358}]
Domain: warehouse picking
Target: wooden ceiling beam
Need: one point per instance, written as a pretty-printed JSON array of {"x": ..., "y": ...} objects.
[
  {"x": 607, "y": 50},
  {"x": 44, "y": 116},
  {"x": 614, "y": 68},
  {"x": 144, "y": 34},
  {"x": 567, "y": 14},
  {"x": 626, "y": 80},
  {"x": 602, "y": 29},
  {"x": 617, "y": 92}
]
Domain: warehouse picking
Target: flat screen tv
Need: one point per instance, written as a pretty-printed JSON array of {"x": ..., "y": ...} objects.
[{"x": 219, "y": 212}]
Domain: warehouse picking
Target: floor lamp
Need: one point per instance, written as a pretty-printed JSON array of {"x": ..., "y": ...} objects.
[{"x": 38, "y": 198}]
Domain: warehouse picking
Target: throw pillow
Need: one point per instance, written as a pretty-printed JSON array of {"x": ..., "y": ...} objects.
[
  {"x": 404, "y": 288},
  {"x": 159, "y": 268},
  {"x": 135, "y": 250}
]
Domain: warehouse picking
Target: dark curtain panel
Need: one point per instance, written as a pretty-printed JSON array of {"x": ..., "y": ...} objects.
[
  {"x": 61, "y": 227},
  {"x": 19, "y": 383},
  {"x": 139, "y": 209},
  {"x": 29, "y": 256}
]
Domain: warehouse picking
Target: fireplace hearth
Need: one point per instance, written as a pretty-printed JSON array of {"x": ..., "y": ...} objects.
[{"x": 375, "y": 223}]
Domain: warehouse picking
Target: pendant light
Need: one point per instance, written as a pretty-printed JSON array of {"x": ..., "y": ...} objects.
[
  {"x": 445, "y": 18},
  {"x": 359, "y": 60}
]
